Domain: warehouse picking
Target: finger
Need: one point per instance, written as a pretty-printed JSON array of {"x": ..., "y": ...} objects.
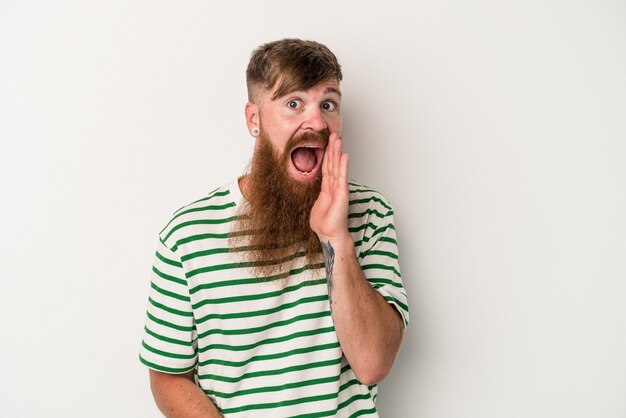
[
  {"x": 326, "y": 162},
  {"x": 331, "y": 155},
  {"x": 337, "y": 158},
  {"x": 325, "y": 159},
  {"x": 343, "y": 171}
]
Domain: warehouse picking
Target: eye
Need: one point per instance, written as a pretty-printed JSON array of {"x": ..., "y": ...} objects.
[
  {"x": 293, "y": 104},
  {"x": 328, "y": 106}
]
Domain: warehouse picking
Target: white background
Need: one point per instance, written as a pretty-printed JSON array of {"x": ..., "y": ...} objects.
[{"x": 496, "y": 128}]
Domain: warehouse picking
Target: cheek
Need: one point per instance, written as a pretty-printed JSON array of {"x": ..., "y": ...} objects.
[
  {"x": 279, "y": 137},
  {"x": 334, "y": 125}
]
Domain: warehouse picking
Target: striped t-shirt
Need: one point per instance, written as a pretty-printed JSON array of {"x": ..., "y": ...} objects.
[{"x": 259, "y": 347}]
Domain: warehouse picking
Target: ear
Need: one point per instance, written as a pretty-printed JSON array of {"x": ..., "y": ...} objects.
[{"x": 252, "y": 116}]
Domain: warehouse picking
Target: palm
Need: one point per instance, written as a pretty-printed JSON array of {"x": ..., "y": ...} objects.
[{"x": 329, "y": 215}]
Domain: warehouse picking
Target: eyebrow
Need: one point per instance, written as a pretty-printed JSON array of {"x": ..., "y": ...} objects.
[
  {"x": 332, "y": 90},
  {"x": 326, "y": 91}
]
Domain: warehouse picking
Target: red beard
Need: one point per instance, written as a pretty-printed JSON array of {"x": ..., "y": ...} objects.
[{"x": 274, "y": 223}]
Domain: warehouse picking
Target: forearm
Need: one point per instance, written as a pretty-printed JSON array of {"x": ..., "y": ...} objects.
[
  {"x": 369, "y": 329},
  {"x": 179, "y": 396}
]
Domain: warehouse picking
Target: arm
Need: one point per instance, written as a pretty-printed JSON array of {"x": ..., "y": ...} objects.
[
  {"x": 177, "y": 395},
  {"x": 369, "y": 329}
]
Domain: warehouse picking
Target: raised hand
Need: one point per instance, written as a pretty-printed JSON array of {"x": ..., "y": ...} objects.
[{"x": 329, "y": 215}]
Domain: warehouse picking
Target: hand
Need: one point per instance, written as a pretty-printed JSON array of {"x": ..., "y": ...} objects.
[{"x": 329, "y": 215}]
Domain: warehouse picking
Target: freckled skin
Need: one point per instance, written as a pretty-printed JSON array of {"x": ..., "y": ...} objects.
[{"x": 314, "y": 110}]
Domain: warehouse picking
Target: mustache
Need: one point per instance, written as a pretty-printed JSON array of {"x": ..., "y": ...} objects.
[{"x": 309, "y": 138}]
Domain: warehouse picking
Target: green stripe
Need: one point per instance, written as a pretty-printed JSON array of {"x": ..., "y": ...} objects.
[
  {"x": 370, "y": 199},
  {"x": 202, "y": 209},
  {"x": 243, "y": 264},
  {"x": 384, "y": 281},
  {"x": 343, "y": 404},
  {"x": 362, "y": 226},
  {"x": 263, "y": 312},
  {"x": 329, "y": 413},
  {"x": 170, "y": 294},
  {"x": 168, "y": 309},
  {"x": 198, "y": 237},
  {"x": 211, "y": 195},
  {"x": 165, "y": 369},
  {"x": 199, "y": 222},
  {"x": 244, "y": 331},
  {"x": 167, "y": 353},
  {"x": 167, "y": 339},
  {"x": 259, "y": 295},
  {"x": 225, "y": 283},
  {"x": 363, "y": 412},
  {"x": 168, "y": 261},
  {"x": 364, "y": 190},
  {"x": 381, "y": 267},
  {"x": 169, "y": 324},
  {"x": 361, "y": 188},
  {"x": 369, "y": 212},
  {"x": 273, "y": 372},
  {"x": 253, "y": 280},
  {"x": 223, "y": 250},
  {"x": 396, "y": 301},
  {"x": 197, "y": 254},
  {"x": 288, "y": 402},
  {"x": 357, "y": 397},
  {"x": 388, "y": 239},
  {"x": 277, "y": 388},
  {"x": 264, "y": 357},
  {"x": 267, "y": 340},
  {"x": 168, "y": 277},
  {"x": 378, "y": 231},
  {"x": 383, "y": 229},
  {"x": 367, "y": 239},
  {"x": 377, "y": 252},
  {"x": 349, "y": 383}
]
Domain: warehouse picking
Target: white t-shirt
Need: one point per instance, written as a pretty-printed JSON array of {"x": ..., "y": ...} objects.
[{"x": 261, "y": 347}]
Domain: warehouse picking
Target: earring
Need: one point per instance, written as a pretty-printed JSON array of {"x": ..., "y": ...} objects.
[{"x": 254, "y": 131}]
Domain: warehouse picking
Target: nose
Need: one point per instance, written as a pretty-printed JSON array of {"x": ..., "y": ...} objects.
[{"x": 314, "y": 120}]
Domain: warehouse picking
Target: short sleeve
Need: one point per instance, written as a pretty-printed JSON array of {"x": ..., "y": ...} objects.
[
  {"x": 169, "y": 342},
  {"x": 379, "y": 259}
]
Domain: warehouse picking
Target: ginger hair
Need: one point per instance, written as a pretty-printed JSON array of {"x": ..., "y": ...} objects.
[{"x": 290, "y": 65}]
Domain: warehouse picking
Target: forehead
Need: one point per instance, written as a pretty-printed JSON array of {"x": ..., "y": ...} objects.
[{"x": 326, "y": 87}]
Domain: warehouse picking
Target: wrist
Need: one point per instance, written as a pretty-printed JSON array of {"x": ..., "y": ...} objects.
[{"x": 341, "y": 243}]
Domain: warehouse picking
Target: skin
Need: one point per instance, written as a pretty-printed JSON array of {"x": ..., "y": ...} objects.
[
  {"x": 368, "y": 328},
  {"x": 293, "y": 115},
  {"x": 178, "y": 396}
]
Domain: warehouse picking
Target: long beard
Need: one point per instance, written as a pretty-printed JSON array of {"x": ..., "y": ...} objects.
[{"x": 273, "y": 227}]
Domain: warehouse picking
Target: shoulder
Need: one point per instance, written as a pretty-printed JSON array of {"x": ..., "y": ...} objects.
[
  {"x": 215, "y": 207},
  {"x": 370, "y": 217},
  {"x": 364, "y": 198},
  {"x": 221, "y": 197}
]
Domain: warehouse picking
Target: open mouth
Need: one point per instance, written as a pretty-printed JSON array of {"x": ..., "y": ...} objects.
[{"x": 307, "y": 159}]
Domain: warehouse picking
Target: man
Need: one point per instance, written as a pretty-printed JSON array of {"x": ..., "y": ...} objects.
[{"x": 279, "y": 294}]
